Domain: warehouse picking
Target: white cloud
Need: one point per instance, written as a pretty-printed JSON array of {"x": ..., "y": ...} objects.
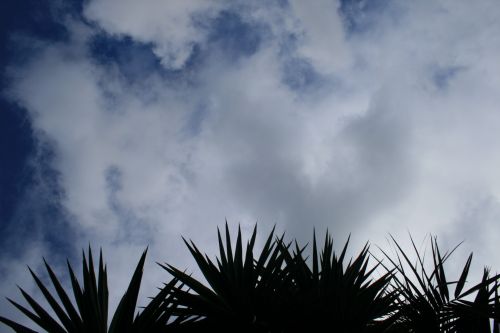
[
  {"x": 169, "y": 26},
  {"x": 381, "y": 148},
  {"x": 321, "y": 34}
]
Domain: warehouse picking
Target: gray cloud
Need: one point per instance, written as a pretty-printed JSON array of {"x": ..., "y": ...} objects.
[{"x": 369, "y": 131}]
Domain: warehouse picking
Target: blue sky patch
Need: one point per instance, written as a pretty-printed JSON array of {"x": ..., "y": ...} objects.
[
  {"x": 442, "y": 76},
  {"x": 16, "y": 147},
  {"x": 234, "y": 37},
  {"x": 361, "y": 16},
  {"x": 134, "y": 60},
  {"x": 30, "y": 196}
]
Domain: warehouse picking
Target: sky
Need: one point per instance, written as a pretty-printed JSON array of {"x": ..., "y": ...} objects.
[{"x": 126, "y": 124}]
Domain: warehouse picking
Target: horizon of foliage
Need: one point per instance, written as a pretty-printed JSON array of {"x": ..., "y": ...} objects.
[{"x": 286, "y": 287}]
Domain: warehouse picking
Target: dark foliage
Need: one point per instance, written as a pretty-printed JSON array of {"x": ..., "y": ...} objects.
[
  {"x": 278, "y": 289},
  {"x": 335, "y": 294},
  {"x": 245, "y": 292},
  {"x": 91, "y": 311},
  {"x": 426, "y": 303}
]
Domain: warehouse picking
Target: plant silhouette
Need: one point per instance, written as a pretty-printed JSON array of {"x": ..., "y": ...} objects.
[{"x": 285, "y": 287}]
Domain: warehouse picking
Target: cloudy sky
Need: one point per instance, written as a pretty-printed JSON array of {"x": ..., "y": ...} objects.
[{"x": 129, "y": 123}]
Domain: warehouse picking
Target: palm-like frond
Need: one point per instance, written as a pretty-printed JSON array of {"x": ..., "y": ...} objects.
[
  {"x": 162, "y": 313},
  {"x": 243, "y": 289},
  {"x": 425, "y": 302},
  {"x": 332, "y": 293},
  {"x": 90, "y": 314},
  {"x": 279, "y": 290}
]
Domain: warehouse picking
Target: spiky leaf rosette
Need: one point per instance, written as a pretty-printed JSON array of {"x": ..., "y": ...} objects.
[
  {"x": 90, "y": 313},
  {"x": 243, "y": 290},
  {"x": 426, "y": 303},
  {"x": 334, "y": 294}
]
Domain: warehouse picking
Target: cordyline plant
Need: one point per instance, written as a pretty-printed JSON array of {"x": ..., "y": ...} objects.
[
  {"x": 245, "y": 292},
  {"x": 426, "y": 303},
  {"x": 279, "y": 289},
  {"x": 90, "y": 314},
  {"x": 335, "y": 294}
]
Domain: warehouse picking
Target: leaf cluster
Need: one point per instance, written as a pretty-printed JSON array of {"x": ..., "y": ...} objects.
[{"x": 283, "y": 287}]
